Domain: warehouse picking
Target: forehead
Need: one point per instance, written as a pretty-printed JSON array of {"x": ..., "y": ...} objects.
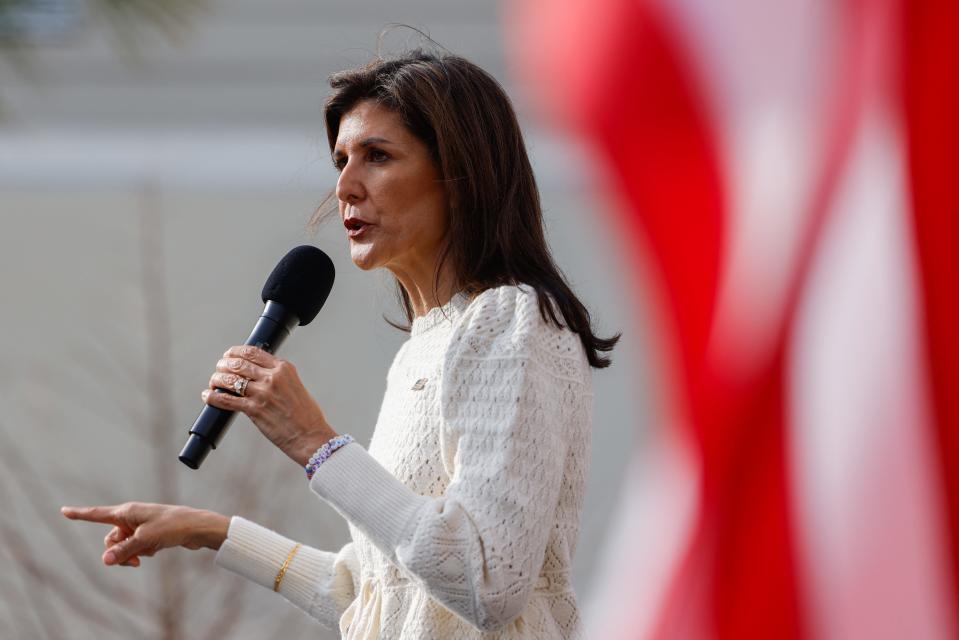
[{"x": 369, "y": 120}]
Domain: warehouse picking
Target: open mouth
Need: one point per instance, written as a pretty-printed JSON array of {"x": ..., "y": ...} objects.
[{"x": 355, "y": 227}]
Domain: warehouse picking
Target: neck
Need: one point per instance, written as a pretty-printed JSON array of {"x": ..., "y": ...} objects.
[{"x": 424, "y": 290}]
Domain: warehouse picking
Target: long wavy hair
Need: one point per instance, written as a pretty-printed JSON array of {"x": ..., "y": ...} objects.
[{"x": 495, "y": 233}]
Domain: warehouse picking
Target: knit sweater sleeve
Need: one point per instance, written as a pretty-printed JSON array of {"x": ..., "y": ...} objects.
[
  {"x": 478, "y": 548},
  {"x": 322, "y": 583}
]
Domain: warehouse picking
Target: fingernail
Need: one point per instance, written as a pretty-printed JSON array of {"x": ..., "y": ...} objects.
[{"x": 109, "y": 558}]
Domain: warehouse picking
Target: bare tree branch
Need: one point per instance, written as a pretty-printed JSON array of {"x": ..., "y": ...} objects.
[
  {"x": 159, "y": 369},
  {"x": 49, "y": 582},
  {"x": 39, "y": 572},
  {"x": 42, "y": 505},
  {"x": 230, "y": 612},
  {"x": 19, "y": 603}
]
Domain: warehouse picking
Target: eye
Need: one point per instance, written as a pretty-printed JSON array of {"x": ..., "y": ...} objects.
[
  {"x": 339, "y": 163},
  {"x": 378, "y": 155}
]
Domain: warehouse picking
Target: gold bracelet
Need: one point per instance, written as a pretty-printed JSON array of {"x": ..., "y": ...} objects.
[{"x": 286, "y": 565}]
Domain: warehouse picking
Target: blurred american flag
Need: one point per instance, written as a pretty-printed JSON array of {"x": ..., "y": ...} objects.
[{"x": 790, "y": 174}]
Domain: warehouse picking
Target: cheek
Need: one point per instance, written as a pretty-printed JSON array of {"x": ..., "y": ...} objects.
[
  {"x": 414, "y": 209},
  {"x": 437, "y": 214},
  {"x": 414, "y": 212},
  {"x": 425, "y": 227}
]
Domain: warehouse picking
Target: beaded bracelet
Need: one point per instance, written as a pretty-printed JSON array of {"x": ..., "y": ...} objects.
[{"x": 324, "y": 452}]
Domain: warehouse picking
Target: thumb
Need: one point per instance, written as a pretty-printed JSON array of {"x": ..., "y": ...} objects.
[{"x": 125, "y": 550}]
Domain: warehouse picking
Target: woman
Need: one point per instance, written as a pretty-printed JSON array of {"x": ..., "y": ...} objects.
[{"x": 464, "y": 512}]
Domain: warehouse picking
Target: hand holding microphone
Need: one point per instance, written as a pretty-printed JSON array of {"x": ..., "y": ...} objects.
[
  {"x": 274, "y": 399},
  {"x": 251, "y": 380}
]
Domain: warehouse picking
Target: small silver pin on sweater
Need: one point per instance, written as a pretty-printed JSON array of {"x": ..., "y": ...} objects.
[{"x": 419, "y": 384}]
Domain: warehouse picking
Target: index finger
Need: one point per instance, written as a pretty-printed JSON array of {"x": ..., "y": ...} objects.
[
  {"x": 251, "y": 353},
  {"x": 104, "y": 515}
]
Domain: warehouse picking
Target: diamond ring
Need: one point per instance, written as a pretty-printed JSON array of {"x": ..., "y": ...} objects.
[{"x": 240, "y": 386}]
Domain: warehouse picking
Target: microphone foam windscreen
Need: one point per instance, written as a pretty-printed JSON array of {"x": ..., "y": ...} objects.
[{"x": 301, "y": 282}]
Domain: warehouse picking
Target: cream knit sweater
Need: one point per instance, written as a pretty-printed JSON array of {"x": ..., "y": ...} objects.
[{"x": 464, "y": 513}]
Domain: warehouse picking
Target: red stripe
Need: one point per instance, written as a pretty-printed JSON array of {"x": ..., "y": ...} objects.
[
  {"x": 657, "y": 136},
  {"x": 740, "y": 571},
  {"x": 644, "y": 110},
  {"x": 746, "y": 484},
  {"x": 739, "y": 577},
  {"x": 930, "y": 94}
]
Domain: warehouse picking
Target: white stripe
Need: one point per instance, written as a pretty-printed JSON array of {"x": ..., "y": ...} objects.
[
  {"x": 870, "y": 526},
  {"x": 647, "y": 541},
  {"x": 765, "y": 70}
]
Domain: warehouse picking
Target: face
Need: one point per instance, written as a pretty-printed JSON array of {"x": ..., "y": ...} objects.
[{"x": 392, "y": 202}]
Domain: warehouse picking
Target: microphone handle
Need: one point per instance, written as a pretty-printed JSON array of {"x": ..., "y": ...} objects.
[{"x": 271, "y": 330}]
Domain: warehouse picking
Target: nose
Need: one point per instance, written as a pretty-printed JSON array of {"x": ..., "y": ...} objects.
[{"x": 349, "y": 186}]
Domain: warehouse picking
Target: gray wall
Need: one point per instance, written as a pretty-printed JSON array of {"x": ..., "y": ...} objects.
[{"x": 144, "y": 196}]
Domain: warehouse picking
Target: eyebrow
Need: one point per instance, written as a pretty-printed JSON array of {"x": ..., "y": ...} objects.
[
  {"x": 337, "y": 153},
  {"x": 374, "y": 140}
]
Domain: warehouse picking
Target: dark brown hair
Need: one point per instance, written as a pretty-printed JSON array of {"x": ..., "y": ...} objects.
[{"x": 495, "y": 234}]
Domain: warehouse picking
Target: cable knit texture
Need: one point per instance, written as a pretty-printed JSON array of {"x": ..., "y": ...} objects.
[{"x": 464, "y": 513}]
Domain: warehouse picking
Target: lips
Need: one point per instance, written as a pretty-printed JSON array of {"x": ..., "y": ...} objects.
[{"x": 356, "y": 227}]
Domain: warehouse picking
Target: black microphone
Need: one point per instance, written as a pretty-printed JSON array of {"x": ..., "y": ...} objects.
[{"x": 294, "y": 293}]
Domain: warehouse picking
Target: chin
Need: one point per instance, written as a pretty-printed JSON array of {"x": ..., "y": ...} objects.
[{"x": 364, "y": 261}]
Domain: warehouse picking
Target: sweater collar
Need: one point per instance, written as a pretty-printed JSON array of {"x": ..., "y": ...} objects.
[{"x": 436, "y": 316}]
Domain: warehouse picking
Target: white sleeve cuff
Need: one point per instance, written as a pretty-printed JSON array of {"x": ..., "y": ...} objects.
[{"x": 258, "y": 553}]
